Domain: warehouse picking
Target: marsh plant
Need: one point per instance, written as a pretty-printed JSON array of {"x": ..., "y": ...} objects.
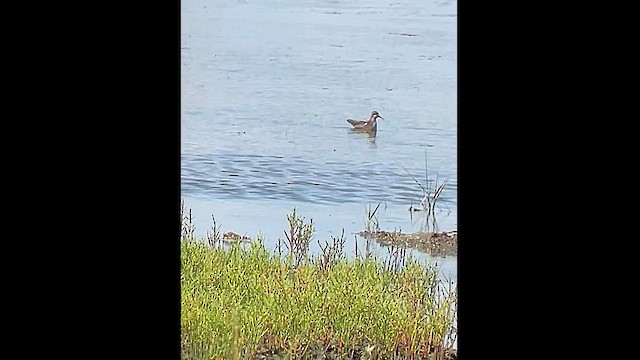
[
  {"x": 431, "y": 192},
  {"x": 372, "y": 224},
  {"x": 367, "y": 248},
  {"x": 214, "y": 237},
  {"x": 187, "y": 227},
  {"x": 331, "y": 253},
  {"x": 397, "y": 253},
  {"x": 243, "y": 302},
  {"x": 298, "y": 237}
]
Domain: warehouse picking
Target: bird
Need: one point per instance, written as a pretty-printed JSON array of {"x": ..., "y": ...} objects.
[{"x": 370, "y": 126}]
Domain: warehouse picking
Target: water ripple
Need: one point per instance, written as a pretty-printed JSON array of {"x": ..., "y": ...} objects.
[{"x": 290, "y": 178}]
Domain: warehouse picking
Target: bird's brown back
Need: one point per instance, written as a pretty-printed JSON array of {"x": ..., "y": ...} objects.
[{"x": 356, "y": 122}]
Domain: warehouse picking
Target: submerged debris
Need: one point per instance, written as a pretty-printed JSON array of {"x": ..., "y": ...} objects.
[
  {"x": 230, "y": 236},
  {"x": 433, "y": 243}
]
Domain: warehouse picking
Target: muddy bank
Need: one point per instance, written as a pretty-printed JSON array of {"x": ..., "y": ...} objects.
[{"x": 433, "y": 243}]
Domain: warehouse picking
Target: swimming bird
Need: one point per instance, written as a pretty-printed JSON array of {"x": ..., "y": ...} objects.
[{"x": 370, "y": 125}]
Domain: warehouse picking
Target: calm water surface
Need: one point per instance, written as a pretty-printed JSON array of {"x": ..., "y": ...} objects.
[{"x": 266, "y": 90}]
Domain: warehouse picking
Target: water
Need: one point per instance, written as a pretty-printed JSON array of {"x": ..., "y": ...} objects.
[{"x": 267, "y": 87}]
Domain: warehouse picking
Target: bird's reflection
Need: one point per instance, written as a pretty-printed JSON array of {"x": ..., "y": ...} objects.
[
  {"x": 372, "y": 140},
  {"x": 371, "y": 135}
]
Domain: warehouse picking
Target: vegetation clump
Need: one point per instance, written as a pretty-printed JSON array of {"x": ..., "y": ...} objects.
[{"x": 241, "y": 301}]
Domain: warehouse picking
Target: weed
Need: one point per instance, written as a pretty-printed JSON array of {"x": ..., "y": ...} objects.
[
  {"x": 214, "y": 239},
  {"x": 332, "y": 252},
  {"x": 431, "y": 194},
  {"x": 242, "y": 302},
  {"x": 187, "y": 227},
  {"x": 299, "y": 237},
  {"x": 372, "y": 225}
]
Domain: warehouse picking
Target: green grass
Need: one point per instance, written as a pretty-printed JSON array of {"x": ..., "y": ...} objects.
[{"x": 244, "y": 302}]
